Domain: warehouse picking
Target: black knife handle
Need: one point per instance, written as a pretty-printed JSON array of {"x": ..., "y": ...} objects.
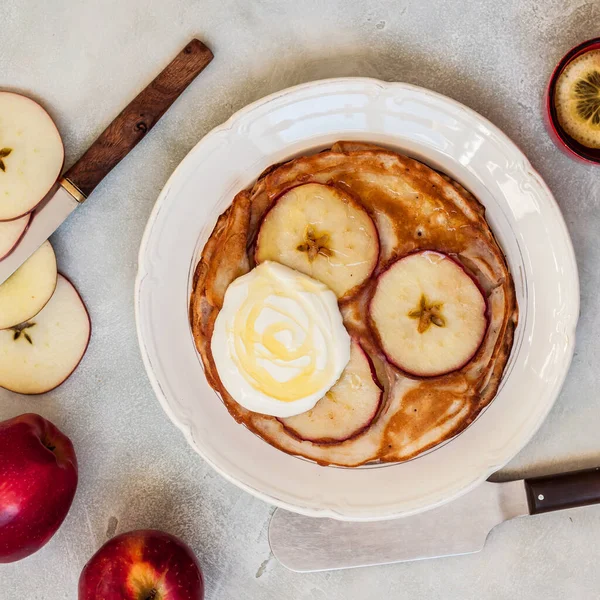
[{"x": 567, "y": 490}]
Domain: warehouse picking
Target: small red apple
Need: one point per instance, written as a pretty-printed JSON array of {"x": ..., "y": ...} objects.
[
  {"x": 142, "y": 565},
  {"x": 38, "y": 479}
]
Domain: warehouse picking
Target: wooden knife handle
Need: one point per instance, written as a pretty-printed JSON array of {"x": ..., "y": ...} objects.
[
  {"x": 124, "y": 133},
  {"x": 568, "y": 490}
]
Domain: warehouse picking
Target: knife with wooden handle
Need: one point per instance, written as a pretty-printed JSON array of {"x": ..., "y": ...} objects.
[
  {"x": 308, "y": 544},
  {"x": 117, "y": 140}
]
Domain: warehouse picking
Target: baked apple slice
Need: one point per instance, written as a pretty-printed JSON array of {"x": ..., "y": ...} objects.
[
  {"x": 31, "y": 155},
  {"x": 323, "y": 232},
  {"x": 38, "y": 355},
  {"x": 28, "y": 289},
  {"x": 11, "y": 233},
  {"x": 347, "y": 409},
  {"x": 429, "y": 314}
]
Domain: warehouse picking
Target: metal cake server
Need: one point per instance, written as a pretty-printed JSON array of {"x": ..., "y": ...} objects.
[
  {"x": 117, "y": 140},
  {"x": 307, "y": 544}
]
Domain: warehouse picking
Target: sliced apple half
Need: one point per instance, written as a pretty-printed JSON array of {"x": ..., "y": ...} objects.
[
  {"x": 28, "y": 289},
  {"x": 10, "y": 234},
  {"x": 347, "y": 409},
  {"x": 31, "y": 155},
  {"x": 323, "y": 232},
  {"x": 38, "y": 355},
  {"x": 429, "y": 314}
]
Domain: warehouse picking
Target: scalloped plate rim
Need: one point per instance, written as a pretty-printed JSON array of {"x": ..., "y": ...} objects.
[{"x": 521, "y": 162}]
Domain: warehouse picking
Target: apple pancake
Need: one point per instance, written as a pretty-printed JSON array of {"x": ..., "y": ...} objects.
[{"x": 414, "y": 209}]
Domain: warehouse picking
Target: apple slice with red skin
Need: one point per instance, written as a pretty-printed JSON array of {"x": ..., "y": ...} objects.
[
  {"x": 38, "y": 355},
  {"x": 347, "y": 409},
  {"x": 11, "y": 233},
  {"x": 429, "y": 314},
  {"x": 31, "y": 155},
  {"x": 29, "y": 288},
  {"x": 322, "y": 231},
  {"x": 38, "y": 479},
  {"x": 142, "y": 565}
]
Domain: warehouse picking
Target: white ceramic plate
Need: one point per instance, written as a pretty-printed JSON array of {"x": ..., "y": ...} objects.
[{"x": 445, "y": 135}]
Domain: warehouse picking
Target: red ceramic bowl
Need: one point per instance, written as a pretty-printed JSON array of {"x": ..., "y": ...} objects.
[{"x": 563, "y": 140}]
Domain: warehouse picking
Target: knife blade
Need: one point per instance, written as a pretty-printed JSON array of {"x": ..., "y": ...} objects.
[
  {"x": 117, "y": 140},
  {"x": 307, "y": 544},
  {"x": 47, "y": 217}
]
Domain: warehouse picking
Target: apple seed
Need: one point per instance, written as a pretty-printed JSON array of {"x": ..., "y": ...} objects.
[
  {"x": 427, "y": 313},
  {"x": 315, "y": 244},
  {"x": 20, "y": 329},
  {"x": 3, "y": 154}
]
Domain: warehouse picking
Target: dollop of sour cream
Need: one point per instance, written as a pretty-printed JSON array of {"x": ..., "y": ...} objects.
[{"x": 279, "y": 342}]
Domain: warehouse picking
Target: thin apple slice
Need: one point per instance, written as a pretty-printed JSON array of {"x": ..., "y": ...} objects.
[
  {"x": 31, "y": 155},
  {"x": 38, "y": 355},
  {"x": 28, "y": 289},
  {"x": 429, "y": 314},
  {"x": 323, "y": 232},
  {"x": 11, "y": 233},
  {"x": 347, "y": 409}
]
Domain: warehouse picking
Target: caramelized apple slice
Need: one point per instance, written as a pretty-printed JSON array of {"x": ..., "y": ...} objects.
[
  {"x": 10, "y": 234},
  {"x": 323, "y": 232},
  {"x": 429, "y": 314},
  {"x": 348, "y": 407}
]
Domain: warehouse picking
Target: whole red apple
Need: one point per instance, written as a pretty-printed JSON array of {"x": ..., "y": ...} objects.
[
  {"x": 38, "y": 479},
  {"x": 142, "y": 565}
]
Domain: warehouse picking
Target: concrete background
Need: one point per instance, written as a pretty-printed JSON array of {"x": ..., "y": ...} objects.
[{"x": 85, "y": 60}]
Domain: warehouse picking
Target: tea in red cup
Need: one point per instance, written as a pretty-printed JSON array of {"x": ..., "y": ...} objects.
[{"x": 573, "y": 102}]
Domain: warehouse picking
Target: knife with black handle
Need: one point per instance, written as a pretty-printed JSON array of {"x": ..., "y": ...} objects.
[{"x": 307, "y": 544}]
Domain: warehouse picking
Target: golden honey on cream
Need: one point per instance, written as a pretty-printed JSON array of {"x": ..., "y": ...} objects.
[{"x": 279, "y": 343}]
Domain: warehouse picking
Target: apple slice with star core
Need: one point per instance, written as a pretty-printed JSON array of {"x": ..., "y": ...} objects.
[
  {"x": 29, "y": 288},
  {"x": 11, "y": 233},
  {"x": 31, "y": 155},
  {"x": 323, "y": 232},
  {"x": 429, "y": 314},
  {"x": 38, "y": 355}
]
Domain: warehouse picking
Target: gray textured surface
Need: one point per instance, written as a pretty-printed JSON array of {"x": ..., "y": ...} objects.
[{"x": 86, "y": 60}]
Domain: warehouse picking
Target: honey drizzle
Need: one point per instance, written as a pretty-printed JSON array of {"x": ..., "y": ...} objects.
[{"x": 252, "y": 346}]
